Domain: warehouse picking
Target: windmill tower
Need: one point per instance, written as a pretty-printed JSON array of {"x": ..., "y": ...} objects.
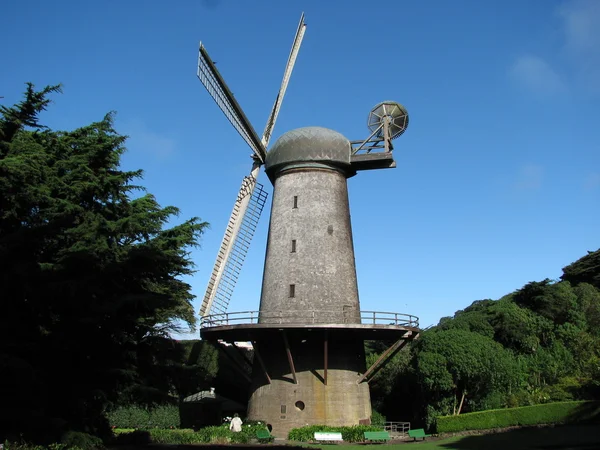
[{"x": 308, "y": 336}]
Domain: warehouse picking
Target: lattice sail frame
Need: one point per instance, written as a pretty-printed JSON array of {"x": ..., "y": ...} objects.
[
  {"x": 240, "y": 244},
  {"x": 210, "y": 77}
]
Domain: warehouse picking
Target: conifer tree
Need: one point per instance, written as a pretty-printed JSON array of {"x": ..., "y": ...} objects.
[{"x": 90, "y": 272}]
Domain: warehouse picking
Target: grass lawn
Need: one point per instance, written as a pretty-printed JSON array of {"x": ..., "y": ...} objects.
[
  {"x": 570, "y": 437},
  {"x": 428, "y": 444}
]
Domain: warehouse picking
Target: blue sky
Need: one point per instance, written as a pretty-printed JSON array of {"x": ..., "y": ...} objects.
[{"x": 498, "y": 176}]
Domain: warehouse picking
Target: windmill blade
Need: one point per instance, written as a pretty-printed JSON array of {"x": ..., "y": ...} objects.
[
  {"x": 239, "y": 232},
  {"x": 284, "y": 82},
  {"x": 250, "y": 200},
  {"x": 218, "y": 90}
]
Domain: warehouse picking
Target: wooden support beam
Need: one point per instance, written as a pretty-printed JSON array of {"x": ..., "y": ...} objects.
[
  {"x": 385, "y": 357},
  {"x": 383, "y": 364},
  {"x": 289, "y": 356},
  {"x": 325, "y": 354},
  {"x": 236, "y": 365},
  {"x": 375, "y": 160},
  {"x": 261, "y": 362}
]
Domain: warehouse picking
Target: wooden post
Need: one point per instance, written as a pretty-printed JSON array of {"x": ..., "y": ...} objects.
[
  {"x": 261, "y": 362},
  {"x": 325, "y": 354},
  {"x": 385, "y": 356},
  {"x": 289, "y": 356}
]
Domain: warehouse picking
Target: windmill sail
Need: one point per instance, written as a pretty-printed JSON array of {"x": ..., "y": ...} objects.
[
  {"x": 251, "y": 197},
  {"x": 218, "y": 90},
  {"x": 284, "y": 82},
  {"x": 234, "y": 247}
]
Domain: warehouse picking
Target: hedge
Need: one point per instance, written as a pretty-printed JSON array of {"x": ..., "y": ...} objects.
[
  {"x": 79, "y": 440},
  {"x": 547, "y": 413},
  {"x": 25, "y": 446},
  {"x": 141, "y": 418},
  {"x": 349, "y": 434},
  {"x": 215, "y": 435},
  {"x": 71, "y": 440}
]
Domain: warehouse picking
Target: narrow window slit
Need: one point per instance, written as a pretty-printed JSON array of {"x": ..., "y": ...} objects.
[
  {"x": 292, "y": 290},
  {"x": 295, "y": 202},
  {"x": 293, "y": 245}
]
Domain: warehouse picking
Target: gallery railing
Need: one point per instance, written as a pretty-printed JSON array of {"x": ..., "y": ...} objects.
[{"x": 307, "y": 317}]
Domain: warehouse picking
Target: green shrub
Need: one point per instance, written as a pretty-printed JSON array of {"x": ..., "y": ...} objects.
[
  {"x": 25, "y": 446},
  {"x": 566, "y": 389},
  {"x": 165, "y": 416},
  {"x": 84, "y": 441},
  {"x": 349, "y": 434},
  {"x": 61, "y": 447},
  {"x": 207, "y": 435},
  {"x": 131, "y": 437},
  {"x": 548, "y": 413},
  {"x": 136, "y": 417},
  {"x": 377, "y": 418},
  {"x": 494, "y": 400},
  {"x": 249, "y": 429},
  {"x": 160, "y": 436},
  {"x": 129, "y": 417}
]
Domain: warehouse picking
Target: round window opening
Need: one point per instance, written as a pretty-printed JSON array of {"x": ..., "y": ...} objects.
[{"x": 299, "y": 405}]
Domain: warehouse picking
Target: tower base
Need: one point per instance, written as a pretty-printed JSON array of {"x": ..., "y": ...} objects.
[
  {"x": 304, "y": 392},
  {"x": 310, "y": 374}
]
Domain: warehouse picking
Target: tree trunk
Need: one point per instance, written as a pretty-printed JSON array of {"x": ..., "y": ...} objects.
[
  {"x": 454, "y": 405},
  {"x": 462, "y": 399}
]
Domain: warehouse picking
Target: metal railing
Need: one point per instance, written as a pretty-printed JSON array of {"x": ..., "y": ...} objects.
[
  {"x": 397, "y": 428},
  {"x": 307, "y": 317}
]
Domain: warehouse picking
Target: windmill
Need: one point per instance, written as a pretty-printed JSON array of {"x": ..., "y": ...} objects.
[{"x": 308, "y": 336}]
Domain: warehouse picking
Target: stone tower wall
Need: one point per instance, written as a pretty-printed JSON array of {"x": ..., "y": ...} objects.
[
  {"x": 309, "y": 264},
  {"x": 285, "y": 405}
]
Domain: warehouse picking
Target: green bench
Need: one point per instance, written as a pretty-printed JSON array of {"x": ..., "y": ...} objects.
[
  {"x": 417, "y": 433},
  {"x": 377, "y": 436},
  {"x": 264, "y": 435}
]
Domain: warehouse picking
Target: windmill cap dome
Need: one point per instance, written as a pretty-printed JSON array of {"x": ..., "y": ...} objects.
[{"x": 309, "y": 145}]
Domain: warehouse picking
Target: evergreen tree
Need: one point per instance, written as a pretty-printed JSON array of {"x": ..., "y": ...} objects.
[
  {"x": 90, "y": 275},
  {"x": 584, "y": 270},
  {"x": 538, "y": 344}
]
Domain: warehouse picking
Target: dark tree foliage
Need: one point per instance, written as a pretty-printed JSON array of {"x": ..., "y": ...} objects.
[
  {"x": 170, "y": 370},
  {"x": 456, "y": 363},
  {"x": 584, "y": 270},
  {"x": 473, "y": 318},
  {"x": 538, "y": 344},
  {"x": 91, "y": 278},
  {"x": 554, "y": 301}
]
